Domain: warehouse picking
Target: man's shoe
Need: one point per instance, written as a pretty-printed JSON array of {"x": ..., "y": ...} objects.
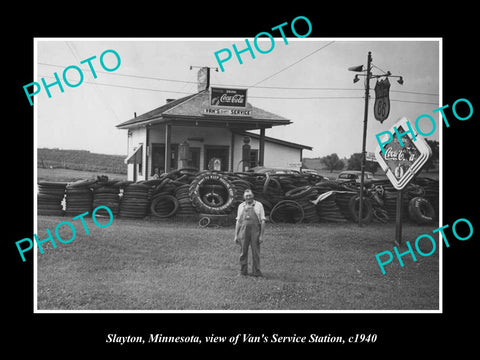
[{"x": 258, "y": 274}]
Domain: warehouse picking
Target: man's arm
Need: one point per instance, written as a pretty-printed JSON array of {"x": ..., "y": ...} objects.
[
  {"x": 237, "y": 224},
  {"x": 262, "y": 229},
  {"x": 262, "y": 221},
  {"x": 237, "y": 228}
]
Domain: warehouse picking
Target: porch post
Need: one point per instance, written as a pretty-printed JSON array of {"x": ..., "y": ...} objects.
[
  {"x": 168, "y": 150},
  {"x": 261, "y": 147},
  {"x": 232, "y": 150},
  {"x": 147, "y": 147}
]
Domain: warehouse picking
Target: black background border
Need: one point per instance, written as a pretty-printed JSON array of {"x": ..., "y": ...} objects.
[{"x": 58, "y": 334}]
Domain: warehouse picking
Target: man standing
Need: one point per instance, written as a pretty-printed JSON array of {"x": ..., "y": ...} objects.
[{"x": 249, "y": 231}]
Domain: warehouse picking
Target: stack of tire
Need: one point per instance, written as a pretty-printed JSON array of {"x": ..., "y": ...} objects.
[
  {"x": 79, "y": 197},
  {"x": 135, "y": 202},
  {"x": 107, "y": 194},
  {"x": 290, "y": 181},
  {"x": 343, "y": 200},
  {"x": 272, "y": 190},
  {"x": 287, "y": 211},
  {"x": 329, "y": 211},
  {"x": 240, "y": 187},
  {"x": 303, "y": 196},
  {"x": 185, "y": 206},
  {"x": 257, "y": 182},
  {"x": 49, "y": 198}
]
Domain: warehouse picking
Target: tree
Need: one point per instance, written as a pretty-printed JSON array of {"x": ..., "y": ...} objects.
[
  {"x": 355, "y": 163},
  {"x": 332, "y": 162},
  {"x": 430, "y": 164}
]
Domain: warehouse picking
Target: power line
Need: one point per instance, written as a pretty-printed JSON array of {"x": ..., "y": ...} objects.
[
  {"x": 307, "y": 97},
  {"x": 128, "y": 87},
  {"x": 255, "y": 97},
  {"x": 414, "y": 102},
  {"x": 239, "y": 85},
  {"x": 296, "y": 62}
]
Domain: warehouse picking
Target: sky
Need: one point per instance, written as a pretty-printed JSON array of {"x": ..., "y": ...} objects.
[{"x": 329, "y": 119}]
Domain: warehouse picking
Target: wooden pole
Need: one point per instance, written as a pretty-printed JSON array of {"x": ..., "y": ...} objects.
[{"x": 364, "y": 140}]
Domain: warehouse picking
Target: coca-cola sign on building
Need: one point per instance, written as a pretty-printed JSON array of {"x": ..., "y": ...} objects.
[{"x": 228, "y": 97}]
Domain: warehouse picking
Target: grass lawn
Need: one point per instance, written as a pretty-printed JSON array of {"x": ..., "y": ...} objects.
[{"x": 174, "y": 265}]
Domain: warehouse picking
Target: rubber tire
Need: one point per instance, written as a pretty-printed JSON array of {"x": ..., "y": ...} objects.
[
  {"x": 352, "y": 206},
  {"x": 421, "y": 210},
  {"x": 298, "y": 192},
  {"x": 160, "y": 198},
  {"x": 287, "y": 203},
  {"x": 197, "y": 202}
]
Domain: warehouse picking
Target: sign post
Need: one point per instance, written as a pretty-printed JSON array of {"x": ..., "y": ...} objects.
[
  {"x": 398, "y": 219},
  {"x": 401, "y": 159}
]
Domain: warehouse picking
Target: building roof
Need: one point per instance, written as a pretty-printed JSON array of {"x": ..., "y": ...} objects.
[
  {"x": 192, "y": 108},
  {"x": 276, "y": 141}
]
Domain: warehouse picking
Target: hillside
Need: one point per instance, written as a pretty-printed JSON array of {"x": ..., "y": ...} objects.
[{"x": 80, "y": 160}]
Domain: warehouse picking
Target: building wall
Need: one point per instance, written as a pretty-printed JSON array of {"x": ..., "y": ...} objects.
[
  {"x": 210, "y": 136},
  {"x": 276, "y": 155},
  {"x": 138, "y": 136}
]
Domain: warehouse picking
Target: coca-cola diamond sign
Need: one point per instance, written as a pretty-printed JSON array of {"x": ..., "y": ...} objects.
[
  {"x": 228, "y": 97},
  {"x": 403, "y": 158}
]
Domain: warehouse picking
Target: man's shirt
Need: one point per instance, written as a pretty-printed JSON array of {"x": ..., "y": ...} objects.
[{"x": 257, "y": 207}]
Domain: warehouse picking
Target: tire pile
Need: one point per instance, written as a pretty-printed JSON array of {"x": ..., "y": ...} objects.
[
  {"x": 107, "y": 193},
  {"x": 288, "y": 211},
  {"x": 170, "y": 194},
  {"x": 329, "y": 211},
  {"x": 304, "y": 195},
  {"x": 49, "y": 198},
  {"x": 185, "y": 208},
  {"x": 288, "y": 198},
  {"x": 79, "y": 197},
  {"x": 135, "y": 201}
]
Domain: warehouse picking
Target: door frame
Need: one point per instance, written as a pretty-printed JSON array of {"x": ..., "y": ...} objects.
[{"x": 215, "y": 147}]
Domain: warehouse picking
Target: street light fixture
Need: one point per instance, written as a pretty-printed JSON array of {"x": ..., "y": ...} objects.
[{"x": 369, "y": 76}]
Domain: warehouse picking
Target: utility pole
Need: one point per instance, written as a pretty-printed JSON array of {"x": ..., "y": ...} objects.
[
  {"x": 365, "y": 121},
  {"x": 368, "y": 76}
]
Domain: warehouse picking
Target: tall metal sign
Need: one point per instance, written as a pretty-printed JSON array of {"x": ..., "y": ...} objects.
[{"x": 381, "y": 108}]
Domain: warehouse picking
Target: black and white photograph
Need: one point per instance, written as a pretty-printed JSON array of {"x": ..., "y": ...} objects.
[{"x": 234, "y": 185}]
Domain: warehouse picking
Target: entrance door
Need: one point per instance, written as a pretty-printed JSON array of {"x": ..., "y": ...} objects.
[
  {"x": 217, "y": 151},
  {"x": 158, "y": 157},
  {"x": 195, "y": 157}
]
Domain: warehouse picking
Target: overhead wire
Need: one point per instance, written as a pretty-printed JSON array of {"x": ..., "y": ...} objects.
[
  {"x": 74, "y": 52},
  {"x": 292, "y": 64},
  {"x": 252, "y": 96},
  {"x": 255, "y": 85},
  {"x": 240, "y": 85}
]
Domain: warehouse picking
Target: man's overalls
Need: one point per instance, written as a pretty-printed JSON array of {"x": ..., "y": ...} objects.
[{"x": 248, "y": 235}]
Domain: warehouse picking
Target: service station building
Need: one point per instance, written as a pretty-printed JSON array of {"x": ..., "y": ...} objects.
[{"x": 211, "y": 125}]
